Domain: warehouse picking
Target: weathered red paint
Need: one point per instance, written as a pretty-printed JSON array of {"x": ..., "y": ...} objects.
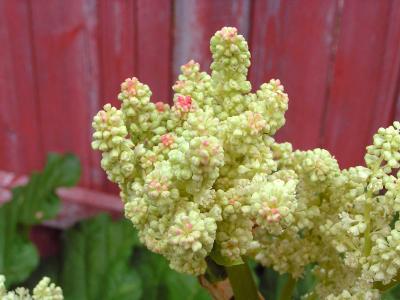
[
  {"x": 60, "y": 61},
  {"x": 64, "y": 39},
  {"x": 195, "y": 23},
  {"x": 387, "y": 102},
  {"x": 357, "y": 76},
  {"x": 154, "y": 45},
  {"x": 296, "y": 45},
  {"x": 20, "y": 138}
]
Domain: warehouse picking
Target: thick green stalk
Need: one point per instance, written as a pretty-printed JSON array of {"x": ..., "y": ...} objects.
[
  {"x": 288, "y": 288},
  {"x": 242, "y": 282},
  {"x": 384, "y": 287}
]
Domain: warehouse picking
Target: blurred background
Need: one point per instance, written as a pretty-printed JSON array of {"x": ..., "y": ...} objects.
[{"x": 61, "y": 61}]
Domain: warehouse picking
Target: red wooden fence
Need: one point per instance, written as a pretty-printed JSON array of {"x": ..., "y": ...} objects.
[{"x": 60, "y": 61}]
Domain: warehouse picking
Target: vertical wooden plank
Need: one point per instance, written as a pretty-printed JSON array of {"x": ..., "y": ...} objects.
[
  {"x": 65, "y": 40},
  {"x": 389, "y": 88},
  {"x": 295, "y": 43},
  {"x": 117, "y": 50},
  {"x": 154, "y": 44},
  {"x": 197, "y": 21},
  {"x": 117, "y": 41},
  {"x": 357, "y": 74},
  {"x": 20, "y": 143}
]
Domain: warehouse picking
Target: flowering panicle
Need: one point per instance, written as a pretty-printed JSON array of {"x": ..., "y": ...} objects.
[
  {"x": 45, "y": 290},
  {"x": 205, "y": 178}
]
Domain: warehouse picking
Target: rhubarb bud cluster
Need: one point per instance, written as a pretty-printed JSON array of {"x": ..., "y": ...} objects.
[
  {"x": 44, "y": 290},
  {"x": 205, "y": 178}
]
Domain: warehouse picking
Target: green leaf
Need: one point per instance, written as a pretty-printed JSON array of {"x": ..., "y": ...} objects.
[
  {"x": 38, "y": 199},
  {"x": 160, "y": 282},
  {"x": 49, "y": 266},
  {"x": 18, "y": 256},
  {"x": 392, "y": 294},
  {"x": 152, "y": 269},
  {"x": 271, "y": 283},
  {"x": 96, "y": 261},
  {"x": 181, "y": 286},
  {"x": 307, "y": 283},
  {"x": 29, "y": 205},
  {"x": 268, "y": 285}
]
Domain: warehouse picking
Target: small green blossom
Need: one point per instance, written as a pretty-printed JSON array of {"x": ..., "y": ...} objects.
[
  {"x": 176, "y": 165},
  {"x": 45, "y": 290},
  {"x": 205, "y": 178}
]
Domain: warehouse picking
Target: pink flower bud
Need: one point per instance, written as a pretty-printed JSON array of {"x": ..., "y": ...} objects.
[
  {"x": 103, "y": 116},
  {"x": 179, "y": 84},
  {"x": 129, "y": 86},
  {"x": 184, "y": 103},
  {"x": 167, "y": 140},
  {"x": 160, "y": 106},
  {"x": 228, "y": 33}
]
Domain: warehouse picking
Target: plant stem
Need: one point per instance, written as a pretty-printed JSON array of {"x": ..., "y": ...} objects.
[
  {"x": 367, "y": 233},
  {"x": 215, "y": 272},
  {"x": 384, "y": 287},
  {"x": 367, "y": 214},
  {"x": 242, "y": 282},
  {"x": 288, "y": 288}
]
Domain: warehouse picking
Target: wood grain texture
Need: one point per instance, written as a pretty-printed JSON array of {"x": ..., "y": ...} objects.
[
  {"x": 388, "y": 103},
  {"x": 358, "y": 70},
  {"x": 20, "y": 140},
  {"x": 117, "y": 61},
  {"x": 197, "y": 21},
  {"x": 60, "y": 61},
  {"x": 66, "y": 56},
  {"x": 154, "y": 46},
  {"x": 117, "y": 44},
  {"x": 295, "y": 44}
]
